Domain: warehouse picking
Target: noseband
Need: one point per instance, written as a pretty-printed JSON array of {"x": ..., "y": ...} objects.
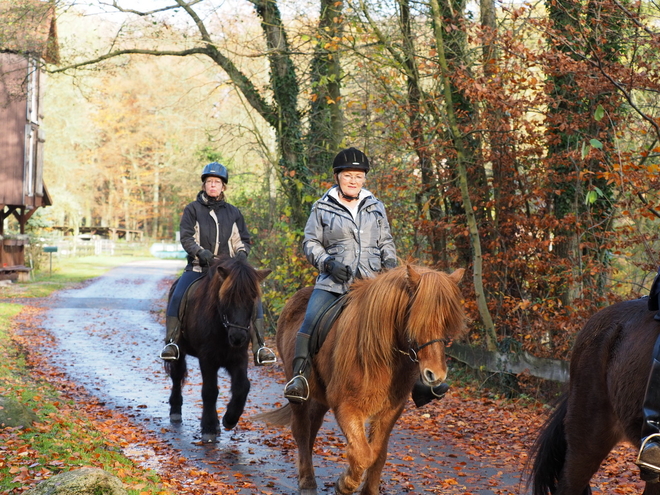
[
  {"x": 413, "y": 350},
  {"x": 227, "y": 324}
]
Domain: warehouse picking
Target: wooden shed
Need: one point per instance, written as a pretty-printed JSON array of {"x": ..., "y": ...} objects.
[{"x": 28, "y": 38}]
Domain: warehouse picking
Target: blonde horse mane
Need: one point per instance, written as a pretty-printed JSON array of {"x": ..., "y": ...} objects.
[{"x": 407, "y": 304}]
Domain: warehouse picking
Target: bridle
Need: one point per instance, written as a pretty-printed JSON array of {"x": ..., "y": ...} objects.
[
  {"x": 414, "y": 350},
  {"x": 227, "y": 324}
]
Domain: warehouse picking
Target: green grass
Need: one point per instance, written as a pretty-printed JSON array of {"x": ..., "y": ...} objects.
[
  {"x": 66, "y": 272},
  {"x": 66, "y": 435}
]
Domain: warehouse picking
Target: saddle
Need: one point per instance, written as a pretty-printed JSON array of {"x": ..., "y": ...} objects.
[
  {"x": 184, "y": 299},
  {"x": 323, "y": 324},
  {"x": 654, "y": 293}
]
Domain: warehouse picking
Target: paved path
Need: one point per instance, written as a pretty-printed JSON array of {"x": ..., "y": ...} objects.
[{"x": 109, "y": 339}]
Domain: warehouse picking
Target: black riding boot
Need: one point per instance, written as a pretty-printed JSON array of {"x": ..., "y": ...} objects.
[
  {"x": 657, "y": 315},
  {"x": 172, "y": 331},
  {"x": 262, "y": 354},
  {"x": 648, "y": 458},
  {"x": 297, "y": 390},
  {"x": 422, "y": 394}
]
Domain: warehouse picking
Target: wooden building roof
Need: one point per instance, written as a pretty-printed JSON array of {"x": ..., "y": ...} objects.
[{"x": 29, "y": 27}]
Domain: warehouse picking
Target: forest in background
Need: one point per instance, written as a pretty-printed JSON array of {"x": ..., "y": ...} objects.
[{"x": 519, "y": 141}]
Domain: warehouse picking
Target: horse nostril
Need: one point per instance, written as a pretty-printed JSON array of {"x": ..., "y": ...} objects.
[{"x": 430, "y": 376}]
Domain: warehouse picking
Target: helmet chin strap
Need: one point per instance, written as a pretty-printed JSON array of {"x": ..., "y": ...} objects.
[{"x": 346, "y": 196}]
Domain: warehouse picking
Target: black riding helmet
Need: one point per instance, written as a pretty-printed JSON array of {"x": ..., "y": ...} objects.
[
  {"x": 350, "y": 158},
  {"x": 215, "y": 169}
]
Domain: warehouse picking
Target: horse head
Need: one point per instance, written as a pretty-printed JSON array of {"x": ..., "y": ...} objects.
[
  {"x": 238, "y": 290},
  {"x": 436, "y": 316}
]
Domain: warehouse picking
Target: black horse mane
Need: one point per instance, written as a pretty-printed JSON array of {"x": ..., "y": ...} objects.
[{"x": 230, "y": 282}]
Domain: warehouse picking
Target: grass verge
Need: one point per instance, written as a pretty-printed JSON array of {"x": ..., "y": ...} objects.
[
  {"x": 71, "y": 430},
  {"x": 66, "y": 272}
]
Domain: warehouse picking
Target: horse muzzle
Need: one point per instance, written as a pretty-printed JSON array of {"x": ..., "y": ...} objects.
[
  {"x": 238, "y": 337},
  {"x": 433, "y": 378}
]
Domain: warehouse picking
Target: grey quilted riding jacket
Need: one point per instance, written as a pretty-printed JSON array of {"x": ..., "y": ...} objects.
[{"x": 364, "y": 243}]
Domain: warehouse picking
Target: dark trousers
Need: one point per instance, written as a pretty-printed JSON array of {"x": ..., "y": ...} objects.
[
  {"x": 182, "y": 285},
  {"x": 319, "y": 301}
]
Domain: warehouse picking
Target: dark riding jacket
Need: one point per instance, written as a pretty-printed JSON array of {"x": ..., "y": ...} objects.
[
  {"x": 214, "y": 225},
  {"x": 363, "y": 242}
]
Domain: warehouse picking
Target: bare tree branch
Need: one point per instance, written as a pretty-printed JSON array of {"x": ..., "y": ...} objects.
[
  {"x": 131, "y": 51},
  {"x": 116, "y": 5}
]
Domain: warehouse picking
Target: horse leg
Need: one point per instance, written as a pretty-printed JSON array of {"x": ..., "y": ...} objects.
[
  {"x": 177, "y": 371},
  {"x": 305, "y": 423},
  {"x": 209, "y": 398},
  {"x": 651, "y": 489},
  {"x": 590, "y": 436},
  {"x": 379, "y": 437},
  {"x": 240, "y": 388},
  {"x": 358, "y": 451}
]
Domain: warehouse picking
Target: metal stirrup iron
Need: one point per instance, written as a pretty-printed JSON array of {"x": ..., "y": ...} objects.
[
  {"x": 170, "y": 358},
  {"x": 268, "y": 360},
  {"x": 297, "y": 397},
  {"x": 655, "y": 437}
]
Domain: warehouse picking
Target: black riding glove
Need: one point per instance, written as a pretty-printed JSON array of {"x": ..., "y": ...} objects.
[
  {"x": 338, "y": 271},
  {"x": 241, "y": 255},
  {"x": 389, "y": 264},
  {"x": 205, "y": 257}
]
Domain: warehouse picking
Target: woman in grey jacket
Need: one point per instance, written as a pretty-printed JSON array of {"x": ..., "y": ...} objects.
[{"x": 347, "y": 236}]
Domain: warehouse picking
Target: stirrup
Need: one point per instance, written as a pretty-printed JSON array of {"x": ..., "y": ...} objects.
[
  {"x": 170, "y": 358},
  {"x": 265, "y": 361},
  {"x": 297, "y": 398},
  {"x": 653, "y": 437}
]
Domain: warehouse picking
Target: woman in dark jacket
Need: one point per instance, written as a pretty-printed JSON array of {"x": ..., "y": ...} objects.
[{"x": 211, "y": 227}]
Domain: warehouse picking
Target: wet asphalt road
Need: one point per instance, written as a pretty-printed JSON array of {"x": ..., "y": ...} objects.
[{"x": 109, "y": 338}]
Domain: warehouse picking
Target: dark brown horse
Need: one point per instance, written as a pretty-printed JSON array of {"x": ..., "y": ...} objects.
[
  {"x": 610, "y": 364},
  {"x": 393, "y": 330},
  {"x": 215, "y": 325}
]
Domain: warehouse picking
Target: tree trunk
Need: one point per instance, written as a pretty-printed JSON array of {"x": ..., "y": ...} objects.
[
  {"x": 460, "y": 147},
  {"x": 326, "y": 127}
]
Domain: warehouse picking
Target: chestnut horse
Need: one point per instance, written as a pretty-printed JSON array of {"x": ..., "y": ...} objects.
[
  {"x": 393, "y": 329},
  {"x": 610, "y": 364},
  {"x": 215, "y": 326}
]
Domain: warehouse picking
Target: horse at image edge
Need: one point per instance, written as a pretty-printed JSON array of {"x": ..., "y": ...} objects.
[{"x": 609, "y": 368}]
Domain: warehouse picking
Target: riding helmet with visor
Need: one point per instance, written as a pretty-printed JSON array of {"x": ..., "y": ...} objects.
[
  {"x": 350, "y": 158},
  {"x": 215, "y": 169}
]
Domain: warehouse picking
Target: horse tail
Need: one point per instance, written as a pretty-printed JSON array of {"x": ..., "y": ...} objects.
[
  {"x": 549, "y": 452},
  {"x": 275, "y": 417}
]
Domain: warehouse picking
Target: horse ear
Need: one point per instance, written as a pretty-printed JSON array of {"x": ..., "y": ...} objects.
[
  {"x": 222, "y": 271},
  {"x": 262, "y": 274},
  {"x": 457, "y": 275},
  {"x": 413, "y": 277}
]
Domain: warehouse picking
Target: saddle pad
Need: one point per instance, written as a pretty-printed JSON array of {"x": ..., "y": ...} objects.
[
  {"x": 324, "y": 323},
  {"x": 653, "y": 294}
]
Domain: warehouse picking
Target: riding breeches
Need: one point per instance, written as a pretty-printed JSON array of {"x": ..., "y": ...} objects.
[
  {"x": 319, "y": 301},
  {"x": 182, "y": 285}
]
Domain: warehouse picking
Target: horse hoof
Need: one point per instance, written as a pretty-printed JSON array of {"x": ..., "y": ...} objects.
[
  {"x": 227, "y": 425},
  {"x": 307, "y": 491},
  {"x": 209, "y": 438},
  {"x": 341, "y": 488},
  {"x": 175, "y": 418}
]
